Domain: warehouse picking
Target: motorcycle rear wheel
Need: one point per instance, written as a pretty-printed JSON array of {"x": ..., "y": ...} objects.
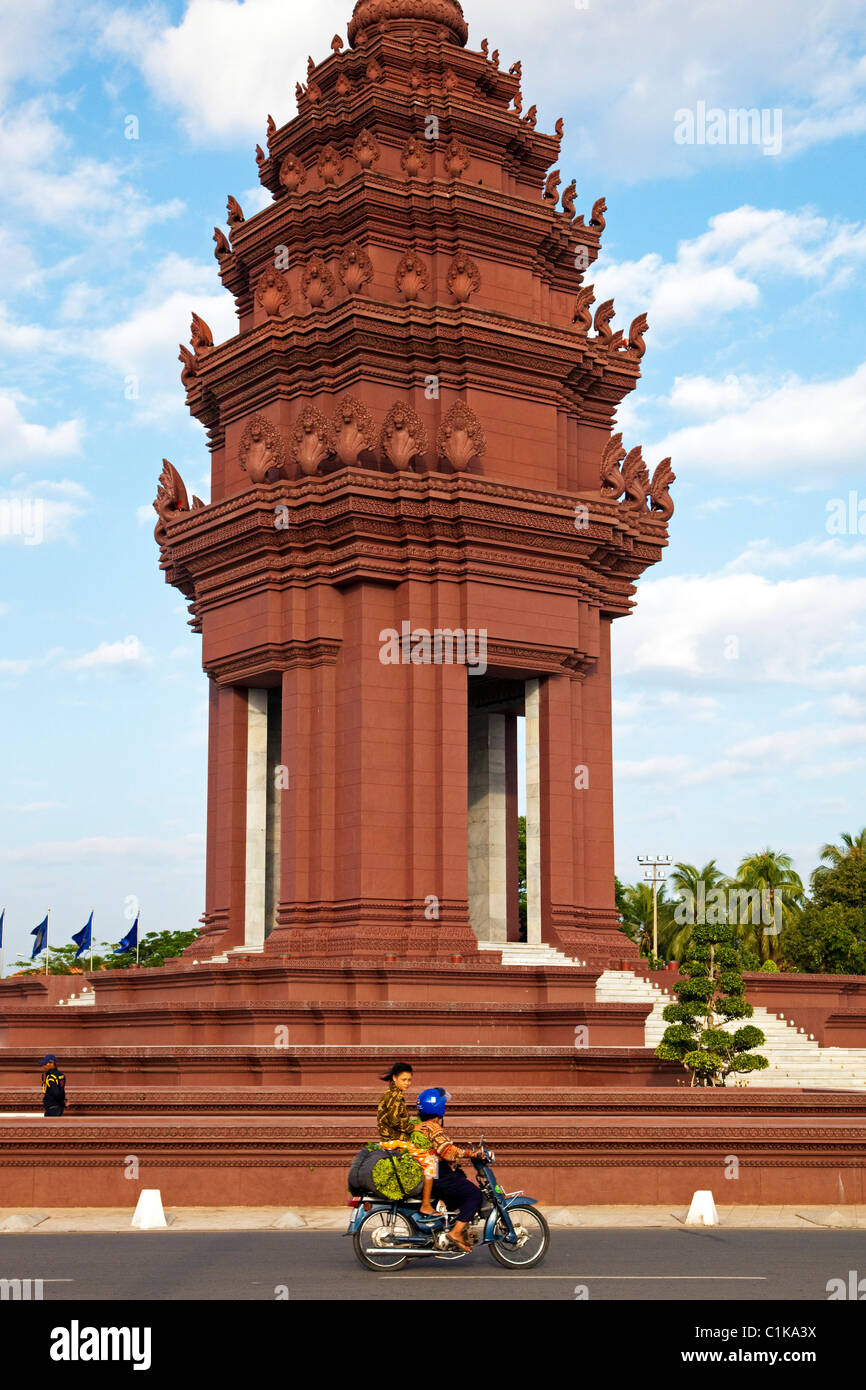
[
  {"x": 534, "y": 1249},
  {"x": 364, "y": 1241}
]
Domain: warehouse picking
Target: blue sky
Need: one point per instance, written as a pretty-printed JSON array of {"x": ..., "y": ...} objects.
[{"x": 740, "y": 682}]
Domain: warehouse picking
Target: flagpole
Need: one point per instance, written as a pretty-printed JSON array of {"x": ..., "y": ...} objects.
[
  {"x": 137, "y": 935},
  {"x": 91, "y": 941},
  {"x": 2, "y": 931},
  {"x": 47, "y": 935}
]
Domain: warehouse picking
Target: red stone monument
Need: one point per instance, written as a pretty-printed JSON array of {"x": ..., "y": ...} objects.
[{"x": 421, "y": 525}]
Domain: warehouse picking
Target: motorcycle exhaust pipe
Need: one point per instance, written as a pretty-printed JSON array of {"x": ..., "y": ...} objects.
[{"x": 395, "y": 1250}]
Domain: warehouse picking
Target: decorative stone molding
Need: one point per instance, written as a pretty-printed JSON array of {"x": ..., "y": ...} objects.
[
  {"x": 456, "y": 159},
  {"x": 354, "y": 431},
  {"x": 411, "y": 276},
  {"x": 312, "y": 440},
  {"x": 403, "y": 436},
  {"x": 260, "y": 156},
  {"x": 199, "y": 334},
  {"x": 659, "y": 498},
  {"x": 171, "y": 500},
  {"x": 273, "y": 292},
  {"x": 460, "y": 438},
  {"x": 342, "y": 86},
  {"x": 551, "y": 184},
  {"x": 317, "y": 282},
  {"x": 366, "y": 148},
  {"x": 234, "y": 212},
  {"x": 413, "y": 159},
  {"x": 635, "y": 476},
  {"x": 582, "y": 318},
  {"x": 636, "y": 344},
  {"x": 330, "y": 165},
  {"x": 355, "y": 268},
  {"x": 612, "y": 481},
  {"x": 222, "y": 248},
  {"x": 261, "y": 449},
  {"x": 270, "y": 130},
  {"x": 293, "y": 173},
  {"x": 375, "y": 13},
  {"x": 463, "y": 277},
  {"x": 188, "y": 369},
  {"x": 568, "y": 197}
]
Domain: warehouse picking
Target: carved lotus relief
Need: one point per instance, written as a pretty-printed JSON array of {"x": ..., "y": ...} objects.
[
  {"x": 403, "y": 436},
  {"x": 366, "y": 149},
  {"x": 414, "y": 160},
  {"x": 273, "y": 292},
  {"x": 354, "y": 431},
  {"x": 356, "y": 268},
  {"x": 460, "y": 438},
  {"x": 261, "y": 449},
  {"x": 317, "y": 282},
  {"x": 330, "y": 165},
  {"x": 456, "y": 159},
  {"x": 312, "y": 440},
  {"x": 411, "y": 276},
  {"x": 292, "y": 173},
  {"x": 463, "y": 278}
]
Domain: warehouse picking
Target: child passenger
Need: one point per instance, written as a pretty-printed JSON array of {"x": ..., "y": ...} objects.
[{"x": 397, "y": 1128}]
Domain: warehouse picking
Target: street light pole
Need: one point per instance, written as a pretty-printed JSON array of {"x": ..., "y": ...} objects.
[{"x": 656, "y": 861}]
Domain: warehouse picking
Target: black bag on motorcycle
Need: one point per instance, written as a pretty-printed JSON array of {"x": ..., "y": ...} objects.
[{"x": 389, "y": 1173}]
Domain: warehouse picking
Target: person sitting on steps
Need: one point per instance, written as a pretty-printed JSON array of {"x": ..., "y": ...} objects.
[
  {"x": 396, "y": 1128},
  {"x": 452, "y": 1185}
]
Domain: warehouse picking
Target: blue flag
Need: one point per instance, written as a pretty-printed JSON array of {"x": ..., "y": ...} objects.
[
  {"x": 83, "y": 938},
  {"x": 129, "y": 942},
  {"x": 2, "y": 920},
  {"x": 41, "y": 934}
]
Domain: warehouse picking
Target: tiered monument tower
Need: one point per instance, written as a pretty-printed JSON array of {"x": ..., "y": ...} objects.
[{"x": 411, "y": 434}]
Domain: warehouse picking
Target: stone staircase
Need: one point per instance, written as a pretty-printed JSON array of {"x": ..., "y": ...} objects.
[
  {"x": 795, "y": 1058},
  {"x": 528, "y": 953}
]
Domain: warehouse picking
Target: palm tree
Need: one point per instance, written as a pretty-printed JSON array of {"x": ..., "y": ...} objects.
[
  {"x": 638, "y": 915},
  {"x": 693, "y": 885},
  {"x": 770, "y": 873},
  {"x": 852, "y": 845}
]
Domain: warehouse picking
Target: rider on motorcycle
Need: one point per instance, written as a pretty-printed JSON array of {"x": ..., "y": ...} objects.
[{"x": 452, "y": 1185}]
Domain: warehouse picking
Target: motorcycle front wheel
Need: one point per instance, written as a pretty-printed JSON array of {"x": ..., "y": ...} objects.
[
  {"x": 376, "y": 1228},
  {"x": 534, "y": 1239}
]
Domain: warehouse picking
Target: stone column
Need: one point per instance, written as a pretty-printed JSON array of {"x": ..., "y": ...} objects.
[
  {"x": 533, "y": 810},
  {"x": 255, "y": 893},
  {"x": 488, "y": 870}
]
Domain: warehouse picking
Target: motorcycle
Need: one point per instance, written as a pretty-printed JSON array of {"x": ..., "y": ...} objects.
[{"x": 386, "y": 1235}]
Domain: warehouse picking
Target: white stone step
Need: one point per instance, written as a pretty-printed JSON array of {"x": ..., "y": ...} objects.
[{"x": 795, "y": 1058}]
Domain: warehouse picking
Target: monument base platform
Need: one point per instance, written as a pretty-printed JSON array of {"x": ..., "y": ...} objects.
[{"x": 639, "y": 1147}]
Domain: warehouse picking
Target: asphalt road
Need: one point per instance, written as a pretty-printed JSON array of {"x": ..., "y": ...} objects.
[{"x": 602, "y": 1265}]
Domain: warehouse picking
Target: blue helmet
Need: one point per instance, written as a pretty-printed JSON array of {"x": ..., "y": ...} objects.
[{"x": 432, "y": 1102}]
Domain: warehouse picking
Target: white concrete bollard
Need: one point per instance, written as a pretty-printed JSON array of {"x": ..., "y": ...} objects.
[
  {"x": 702, "y": 1211},
  {"x": 149, "y": 1214}
]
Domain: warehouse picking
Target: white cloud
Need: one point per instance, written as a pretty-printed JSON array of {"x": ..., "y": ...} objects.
[
  {"x": 743, "y": 629},
  {"x": 129, "y": 654},
  {"x": 43, "y": 510},
  {"x": 719, "y": 272},
  {"x": 636, "y": 64},
  {"x": 809, "y": 427},
  {"x": 43, "y": 179},
  {"x": 766, "y": 555},
  {"x": 135, "y": 849},
  {"x": 23, "y": 439}
]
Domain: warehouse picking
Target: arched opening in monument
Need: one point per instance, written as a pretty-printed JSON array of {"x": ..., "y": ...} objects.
[{"x": 502, "y": 758}]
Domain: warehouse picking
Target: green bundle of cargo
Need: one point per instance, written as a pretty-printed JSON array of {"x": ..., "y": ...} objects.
[{"x": 396, "y": 1175}]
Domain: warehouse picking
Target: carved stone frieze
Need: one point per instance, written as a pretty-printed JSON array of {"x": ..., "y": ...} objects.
[{"x": 262, "y": 451}]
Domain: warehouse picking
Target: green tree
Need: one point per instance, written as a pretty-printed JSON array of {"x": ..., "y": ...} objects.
[
  {"x": 767, "y": 879},
  {"x": 692, "y": 886},
  {"x": 521, "y": 874},
  {"x": 829, "y": 936},
  {"x": 711, "y": 994},
  {"x": 154, "y": 949},
  {"x": 638, "y": 915}
]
